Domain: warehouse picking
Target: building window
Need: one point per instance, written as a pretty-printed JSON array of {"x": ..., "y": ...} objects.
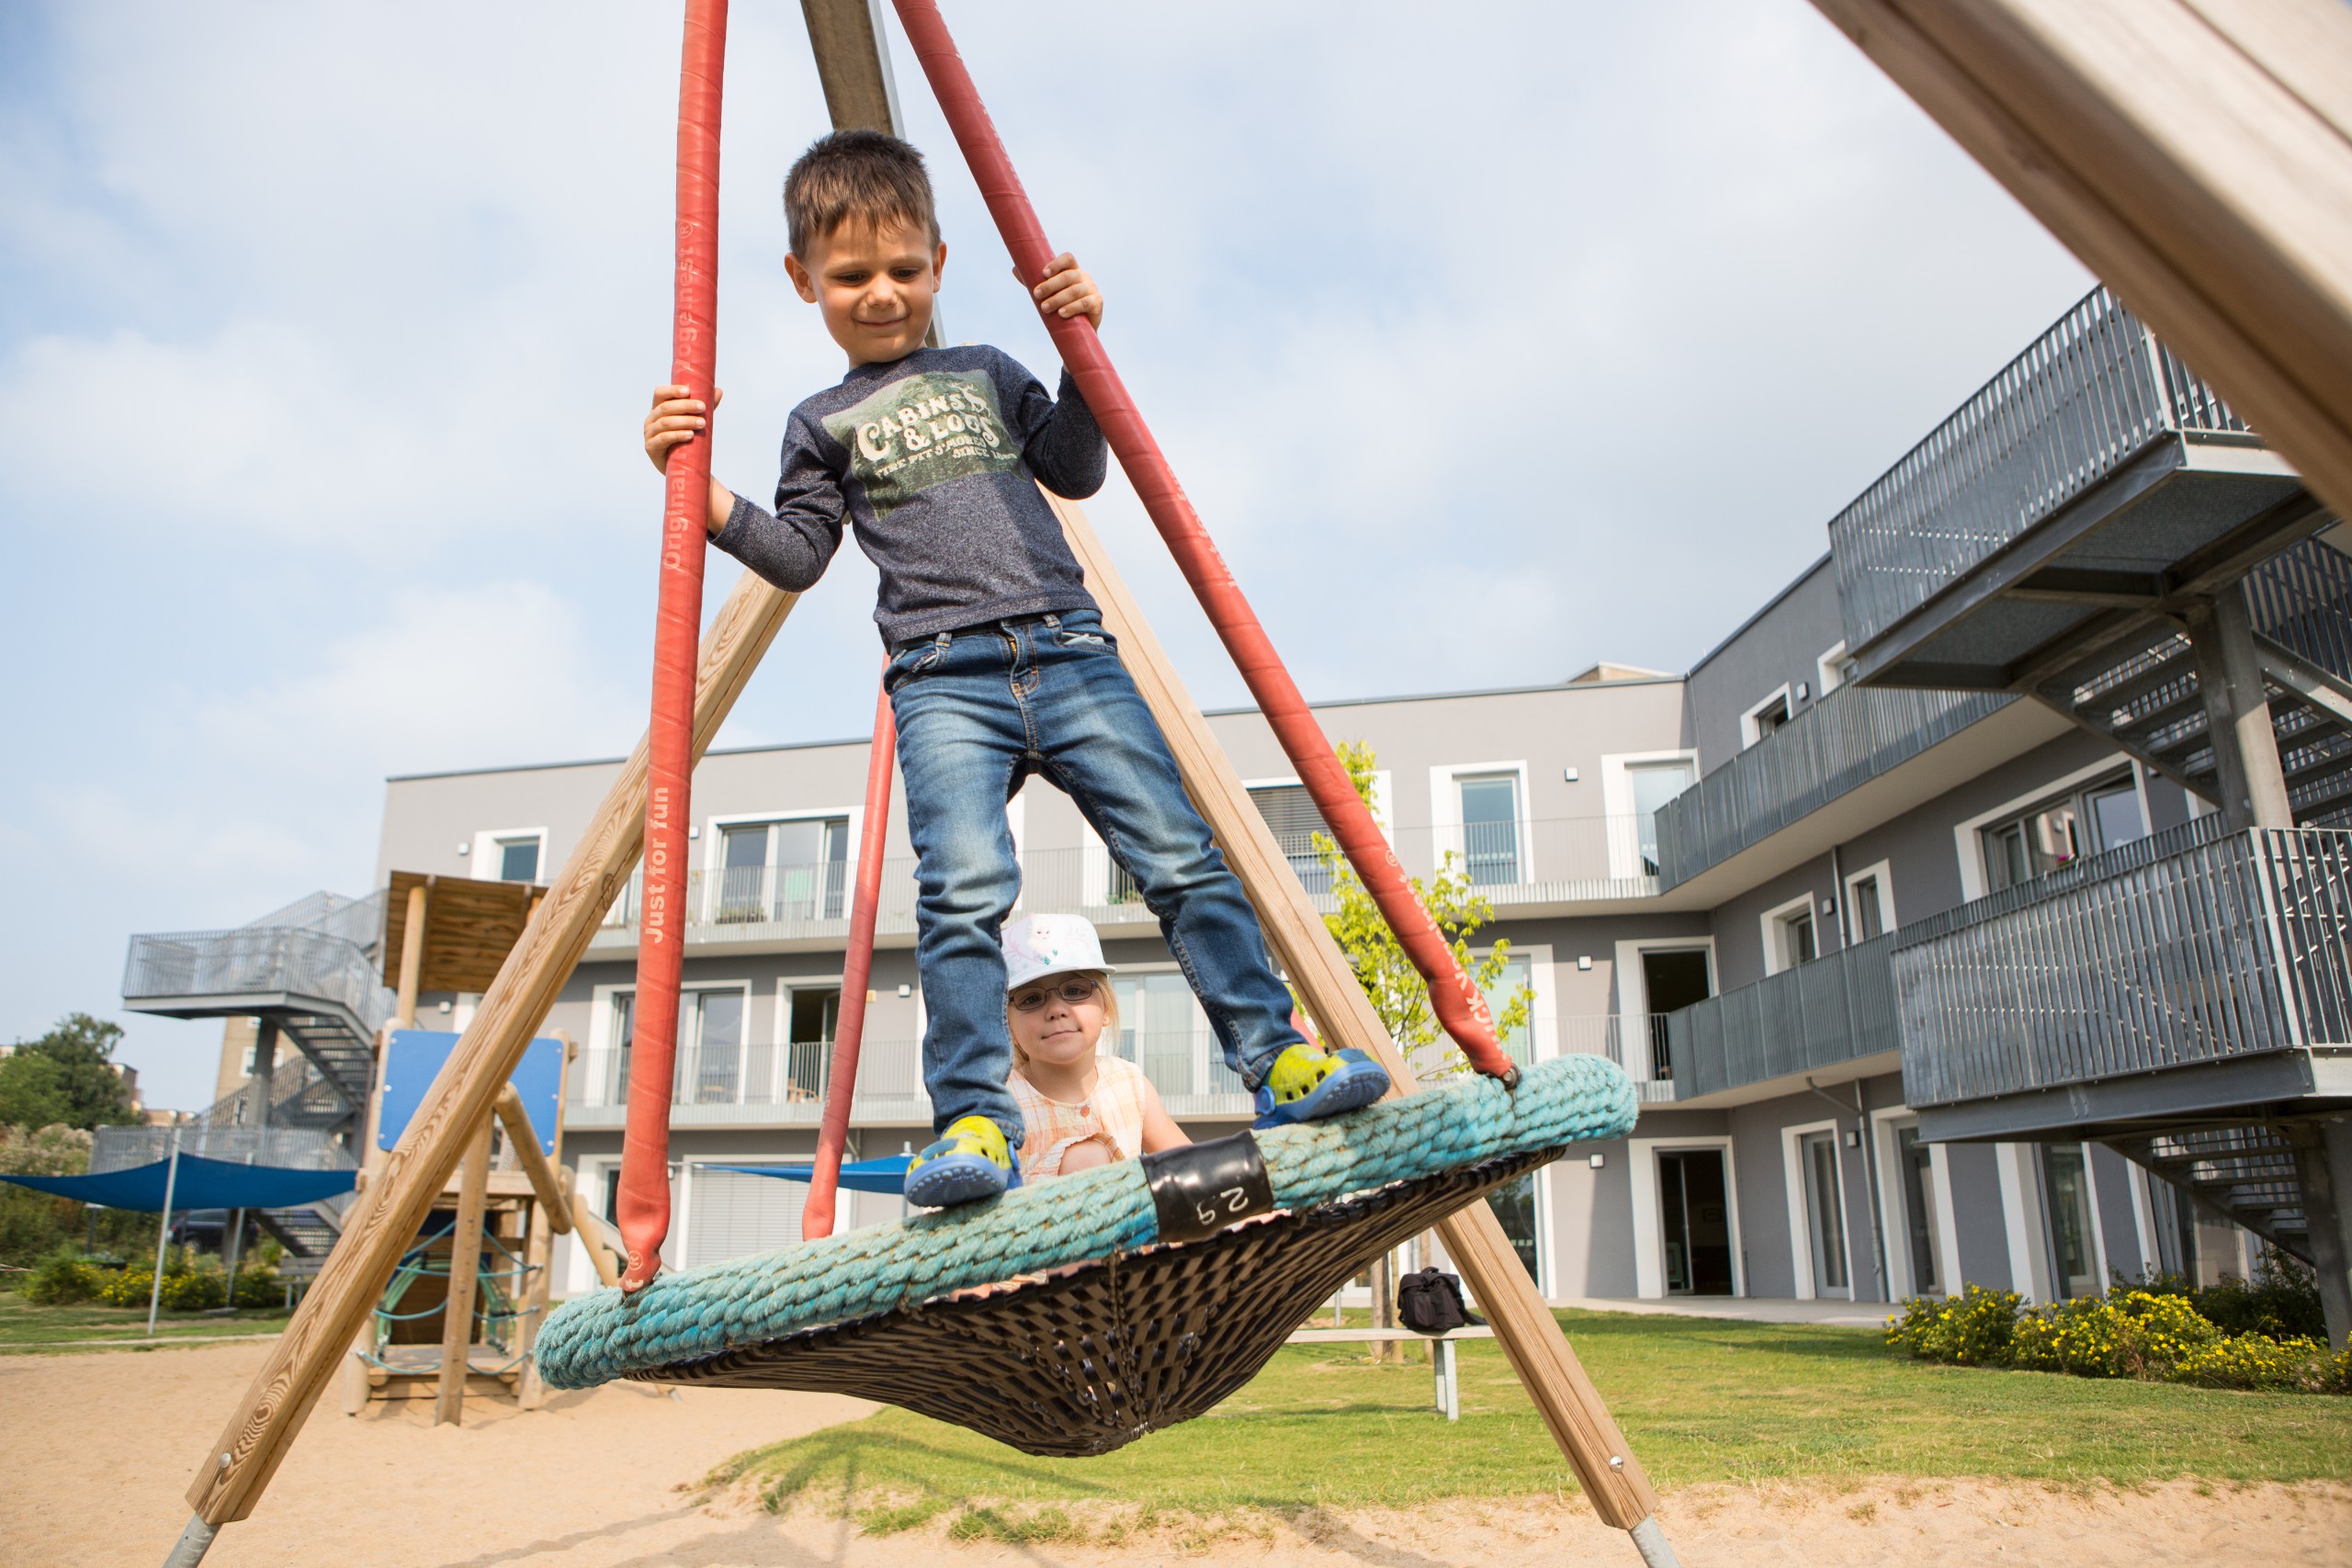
[
  {"x": 1653, "y": 784},
  {"x": 1773, "y": 714},
  {"x": 1672, "y": 979},
  {"x": 1792, "y": 938},
  {"x": 1291, "y": 815},
  {"x": 811, "y": 1015},
  {"x": 2056, "y": 833},
  {"x": 1518, "y": 970},
  {"x": 2067, "y": 1189},
  {"x": 518, "y": 859},
  {"x": 710, "y": 1048},
  {"x": 1916, "y": 1167},
  {"x": 1825, "y": 1213},
  {"x": 1490, "y": 829},
  {"x": 1869, "y": 909},
  {"x": 1697, "y": 1220},
  {"x": 795, "y": 869},
  {"x": 1163, "y": 1031}
]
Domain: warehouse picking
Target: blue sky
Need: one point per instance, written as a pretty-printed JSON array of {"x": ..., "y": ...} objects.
[{"x": 1486, "y": 351}]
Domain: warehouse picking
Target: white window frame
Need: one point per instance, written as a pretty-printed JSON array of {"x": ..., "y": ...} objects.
[
  {"x": 1884, "y": 874},
  {"x": 600, "y": 1014},
  {"x": 1649, "y": 1224},
  {"x": 1544, "y": 1013},
  {"x": 2090, "y": 1196},
  {"x": 1445, "y": 812},
  {"x": 1633, "y": 990},
  {"x": 1895, "y": 1224},
  {"x": 1751, "y": 729},
  {"x": 1776, "y": 958},
  {"x": 1830, "y": 666},
  {"x": 1617, "y": 804},
  {"x": 1968, "y": 841},
  {"x": 713, "y": 853},
  {"x": 488, "y": 841},
  {"x": 1800, "y": 1228}
]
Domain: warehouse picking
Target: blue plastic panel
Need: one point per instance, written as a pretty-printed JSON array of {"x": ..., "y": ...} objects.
[{"x": 414, "y": 1057}]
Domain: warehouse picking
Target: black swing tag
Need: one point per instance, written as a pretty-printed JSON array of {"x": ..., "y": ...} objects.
[{"x": 1202, "y": 1188}]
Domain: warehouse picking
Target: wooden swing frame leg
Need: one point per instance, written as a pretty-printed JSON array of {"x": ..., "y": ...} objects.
[{"x": 1572, "y": 1408}]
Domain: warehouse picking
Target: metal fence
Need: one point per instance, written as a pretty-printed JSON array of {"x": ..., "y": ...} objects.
[
  {"x": 2231, "y": 947},
  {"x": 2080, "y": 403},
  {"x": 1801, "y": 1020},
  {"x": 300, "y": 1148},
  {"x": 1847, "y": 738},
  {"x": 308, "y": 965}
]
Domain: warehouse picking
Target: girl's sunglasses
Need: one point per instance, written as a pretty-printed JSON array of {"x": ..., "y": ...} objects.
[{"x": 1029, "y": 998}]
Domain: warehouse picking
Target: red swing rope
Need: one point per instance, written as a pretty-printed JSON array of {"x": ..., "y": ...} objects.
[
  {"x": 643, "y": 1208},
  {"x": 1459, "y": 1005},
  {"x": 857, "y": 974}
]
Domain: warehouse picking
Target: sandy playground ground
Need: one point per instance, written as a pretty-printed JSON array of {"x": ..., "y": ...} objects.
[{"x": 102, "y": 1447}]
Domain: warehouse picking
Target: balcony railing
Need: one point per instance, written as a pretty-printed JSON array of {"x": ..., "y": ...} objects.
[
  {"x": 1559, "y": 859},
  {"x": 2171, "y": 957},
  {"x": 1804, "y": 1020},
  {"x": 308, "y": 966},
  {"x": 2088, "y": 397},
  {"x": 1847, "y": 738}
]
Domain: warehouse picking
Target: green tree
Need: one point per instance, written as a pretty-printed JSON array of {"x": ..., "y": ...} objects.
[
  {"x": 32, "y": 1091},
  {"x": 1398, "y": 992},
  {"x": 67, "y": 1075}
]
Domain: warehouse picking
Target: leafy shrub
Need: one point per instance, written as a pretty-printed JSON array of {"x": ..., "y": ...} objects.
[
  {"x": 2281, "y": 1300},
  {"x": 1971, "y": 1331},
  {"x": 2257, "y": 1361},
  {"x": 2133, "y": 1331},
  {"x": 63, "y": 1278}
]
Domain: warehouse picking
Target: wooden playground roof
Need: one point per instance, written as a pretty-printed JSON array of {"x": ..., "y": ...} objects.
[{"x": 469, "y": 928}]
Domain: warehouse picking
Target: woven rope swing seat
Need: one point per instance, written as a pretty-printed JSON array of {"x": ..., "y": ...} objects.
[{"x": 1057, "y": 1318}]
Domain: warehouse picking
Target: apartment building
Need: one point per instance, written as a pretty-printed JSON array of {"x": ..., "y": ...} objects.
[{"x": 1971, "y": 913}]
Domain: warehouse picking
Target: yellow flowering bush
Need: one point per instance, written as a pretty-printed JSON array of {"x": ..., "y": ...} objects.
[{"x": 2129, "y": 1333}]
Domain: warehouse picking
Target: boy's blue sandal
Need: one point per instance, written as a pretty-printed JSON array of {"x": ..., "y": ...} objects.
[
  {"x": 971, "y": 1164},
  {"x": 1307, "y": 1084},
  {"x": 1073, "y": 1317}
]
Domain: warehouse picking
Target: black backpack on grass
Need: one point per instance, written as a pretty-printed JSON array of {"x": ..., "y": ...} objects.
[{"x": 1430, "y": 1303}]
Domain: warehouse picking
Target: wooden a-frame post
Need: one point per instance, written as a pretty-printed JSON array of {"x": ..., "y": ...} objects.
[{"x": 384, "y": 1221}]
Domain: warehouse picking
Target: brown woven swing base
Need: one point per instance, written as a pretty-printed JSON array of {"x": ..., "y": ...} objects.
[{"x": 1090, "y": 1357}]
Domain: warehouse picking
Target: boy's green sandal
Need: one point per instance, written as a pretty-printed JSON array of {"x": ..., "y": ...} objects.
[
  {"x": 971, "y": 1163},
  {"x": 1307, "y": 1084}
]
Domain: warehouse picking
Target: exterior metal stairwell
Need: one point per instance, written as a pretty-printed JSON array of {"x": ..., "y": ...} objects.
[
  {"x": 2145, "y": 697},
  {"x": 2244, "y": 1174}
]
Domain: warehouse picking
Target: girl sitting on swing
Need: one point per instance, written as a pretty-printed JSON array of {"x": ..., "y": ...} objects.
[{"x": 1081, "y": 1108}]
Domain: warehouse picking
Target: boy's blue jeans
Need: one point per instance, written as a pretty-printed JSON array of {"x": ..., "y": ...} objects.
[{"x": 981, "y": 710}]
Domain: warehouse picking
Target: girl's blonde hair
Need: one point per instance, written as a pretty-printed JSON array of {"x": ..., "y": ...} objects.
[{"x": 1102, "y": 988}]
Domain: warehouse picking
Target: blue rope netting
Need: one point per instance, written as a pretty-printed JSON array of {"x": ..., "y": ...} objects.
[{"x": 1052, "y": 1224}]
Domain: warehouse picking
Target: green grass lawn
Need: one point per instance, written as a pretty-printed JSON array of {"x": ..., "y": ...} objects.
[
  {"x": 1700, "y": 1400},
  {"x": 24, "y": 1327}
]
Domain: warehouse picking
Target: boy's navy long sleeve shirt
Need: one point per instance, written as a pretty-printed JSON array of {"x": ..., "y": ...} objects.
[{"x": 932, "y": 457}]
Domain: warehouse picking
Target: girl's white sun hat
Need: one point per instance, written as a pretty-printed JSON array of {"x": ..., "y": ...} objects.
[{"x": 1051, "y": 944}]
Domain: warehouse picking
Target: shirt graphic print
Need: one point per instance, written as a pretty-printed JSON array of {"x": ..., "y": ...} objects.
[{"x": 923, "y": 430}]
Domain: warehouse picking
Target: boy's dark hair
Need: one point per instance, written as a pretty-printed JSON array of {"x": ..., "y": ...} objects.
[{"x": 864, "y": 176}]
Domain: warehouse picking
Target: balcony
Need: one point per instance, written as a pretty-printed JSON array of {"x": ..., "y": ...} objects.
[
  {"x": 1853, "y": 736},
  {"x": 1826, "y": 1017},
  {"x": 2093, "y": 479},
  {"x": 2197, "y": 971}
]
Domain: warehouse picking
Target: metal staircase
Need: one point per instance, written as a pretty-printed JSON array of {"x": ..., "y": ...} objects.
[
  {"x": 2244, "y": 1174},
  {"x": 308, "y": 968},
  {"x": 2144, "y": 696}
]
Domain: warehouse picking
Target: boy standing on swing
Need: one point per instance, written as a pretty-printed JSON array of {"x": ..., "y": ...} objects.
[{"x": 1000, "y": 667}]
